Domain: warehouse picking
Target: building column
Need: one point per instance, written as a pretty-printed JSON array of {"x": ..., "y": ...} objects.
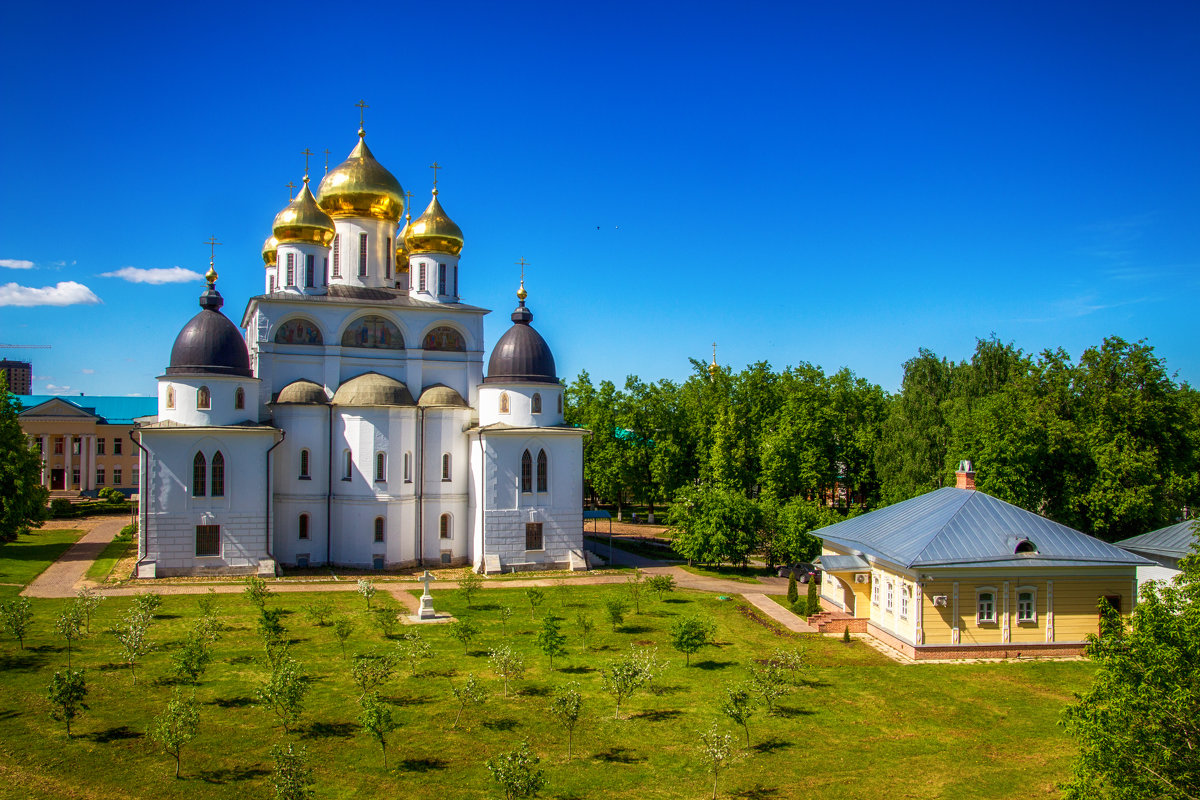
[
  {"x": 1005, "y": 630},
  {"x": 89, "y": 458},
  {"x": 46, "y": 460},
  {"x": 69, "y": 442},
  {"x": 919, "y": 621},
  {"x": 1049, "y": 611}
]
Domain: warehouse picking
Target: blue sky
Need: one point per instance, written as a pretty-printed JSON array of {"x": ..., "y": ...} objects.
[{"x": 837, "y": 183}]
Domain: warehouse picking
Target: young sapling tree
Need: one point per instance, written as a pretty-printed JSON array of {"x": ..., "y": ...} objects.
[
  {"x": 377, "y": 720},
  {"x": 257, "y": 592},
  {"x": 67, "y": 693},
  {"x": 176, "y": 725},
  {"x": 69, "y": 625},
  {"x": 469, "y": 692},
  {"x": 17, "y": 615},
  {"x": 517, "y": 772},
  {"x": 689, "y": 634},
  {"x": 464, "y": 631},
  {"x": 469, "y": 584},
  {"x": 616, "y": 609},
  {"x": 319, "y": 611},
  {"x": 567, "y": 707},
  {"x": 292, "y": 777},
  {"x": 738, "y": 706},
  {"x": 284, "y": 692},
  {"x": 636, "y": 583},
  {"x": 550, "y": 640},
  {"x": 366, "y": 588},
  {"x": 412, "y": 649},
  {"x": 716, "y": 751},
  {"x": 535, "y": 596},
  {"x": 585, "y": 625},
  {"x": 507, "y": 664},
  {"x": 88, "y": 602},
  {"x": 343, "y": 626},
  {"x": 131, "y": 637},
  {"x": 660, "y": 585},
  {"x": 371, "y": 670}
]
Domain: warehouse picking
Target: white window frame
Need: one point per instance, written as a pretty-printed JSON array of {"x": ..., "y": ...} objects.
[
  {"x": 891, "y": 597},
  {"x": 447, "y": 467},
  {"x": 980, "y": 619},
  {"x": 905, "y": 592},
  {"x": 381, "y": 467},
  {"x": 446, "y": 528},
  {"x": 875, "y": 581},
  {"x": 1032, "y": 618}
]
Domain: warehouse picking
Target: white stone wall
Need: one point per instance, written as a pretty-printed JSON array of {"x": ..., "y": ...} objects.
[
  {"x": 299, "y": 282},
  {"x": 379, "y": 234},
  {"x": 431, "y": 292},
  {"x": 222, "y": 390},
  {"x": 520, "y": 404},
  {"x": 172, "y": 513}
]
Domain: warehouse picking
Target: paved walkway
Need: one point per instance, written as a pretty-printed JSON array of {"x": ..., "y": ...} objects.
[
  {"x": 60, "y": 578},
  {"x": 778, "y": 613}
]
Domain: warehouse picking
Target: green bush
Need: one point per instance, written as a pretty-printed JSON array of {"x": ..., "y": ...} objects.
[
  {"x": 126, "y": 533},
  {"x": 61, "y": 507}
]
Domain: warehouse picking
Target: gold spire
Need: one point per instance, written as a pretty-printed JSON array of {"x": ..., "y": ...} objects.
[
  {"x": 521, "y": 293},
  {"x": 712, "y": 368},
  {"x": 433, "y": 231},
  {"x": 211, "y": 275}
]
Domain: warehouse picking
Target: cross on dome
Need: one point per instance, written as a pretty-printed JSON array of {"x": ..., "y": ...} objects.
[{"x": 362, "y": 107}]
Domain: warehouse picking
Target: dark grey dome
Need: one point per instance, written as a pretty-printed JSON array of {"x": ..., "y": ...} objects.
[
  {"x": 210, "y": 344},
  {"x": 521, "y": 355}
]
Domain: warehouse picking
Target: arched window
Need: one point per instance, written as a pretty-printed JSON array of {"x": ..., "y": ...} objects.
[
  {"x": 298, "y": 331},
  {"x": 1025, "y": 546},
  {"x": 304, "y": 461},
  {"x": 504, "y": 402},
  {"x": 199, "y": 476},
  {"x": 444, "y": 530},
  {"x": 302, "y": 527},
  {"x": 444, "y": 338},
  {"x": 381, "y": 467},
  {"x": 535, "y": 403},
  {"x": 526, "y": 472},
  {"x": 239, "y": 398},
  {"x": 373, "y": 331},
  {"x": 541, "y": 471},
  {"x": 203, "y": 397},
  {"x": 218, "y": 475},
  {"x": 170, "y": 397},
  {"x": 445, "y": 466},
  {"x": 379, "y": 529},
  {"x": 560, "y": 407}
]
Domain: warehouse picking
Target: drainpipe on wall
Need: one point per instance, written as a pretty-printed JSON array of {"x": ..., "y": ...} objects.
[
  {"x": 482, "y": 505},
  {"x": 329, "y": 497},
  {"x": 421, "y": 492},
  {"x": 267, "y": 505},
  {"x": 143, "y": 477}
]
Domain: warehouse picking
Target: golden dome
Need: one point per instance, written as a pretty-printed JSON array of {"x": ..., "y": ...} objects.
[
  {"x": 270, "y": 247},
  {"x": 402, "y": 252},
  {"x": 303, "y": 221},
  {"x": 434, "y": 232},
  {"x": 361, "y": 187}
]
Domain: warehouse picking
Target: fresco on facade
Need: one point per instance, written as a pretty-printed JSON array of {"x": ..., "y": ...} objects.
[
  {"x": 373, "y": 331},
  {"x": 298, "y": 331},
  {"x": 444, "y": 338}
]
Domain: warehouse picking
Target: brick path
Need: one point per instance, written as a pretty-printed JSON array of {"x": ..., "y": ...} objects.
[{"x": 60, "y": 578}]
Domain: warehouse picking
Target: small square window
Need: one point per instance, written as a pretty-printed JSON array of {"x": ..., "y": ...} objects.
[
  {"x": 533, "y": 536},
  {"x": 986, "y": 604},
  {"x": 208, "y": 540},
  {"x": 1026, "y": 607},
  {"x": 117, "y": 447}
]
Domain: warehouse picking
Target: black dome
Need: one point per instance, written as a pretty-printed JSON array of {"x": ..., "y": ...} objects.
[
  {"x": 210, "y": 344},
  {"x": 521, "y": 355}
]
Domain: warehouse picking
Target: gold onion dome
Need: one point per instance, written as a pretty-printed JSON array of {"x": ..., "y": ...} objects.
[
  {"x": 269, "y": 251},
  {"x": 402, "y": 252},
  {"x": 303, "y": 221},
  {"x": 434, "y": 232},
  {"x": 361, "y": 187}
]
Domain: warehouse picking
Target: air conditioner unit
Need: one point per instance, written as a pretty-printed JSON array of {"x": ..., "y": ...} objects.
[
  {"x": 940, "y": 600},
  {"x": 862, "y": 578}
]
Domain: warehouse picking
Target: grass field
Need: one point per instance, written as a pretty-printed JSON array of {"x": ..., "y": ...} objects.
[
  {"x": 859, "y": 726},
  {"x": 112, "y": 554},
  {"x": 24, "y": 559}
]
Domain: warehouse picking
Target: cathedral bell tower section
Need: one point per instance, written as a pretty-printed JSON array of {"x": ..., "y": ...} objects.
[
  {"x": 434, "y": 243},
  {"x": 302, "y": 233},
  {"x": 366, "y": 203}
]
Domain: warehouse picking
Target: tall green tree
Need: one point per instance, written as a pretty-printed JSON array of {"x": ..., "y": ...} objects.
[
  {"x": 1138, "y": 725},
  {"x": 22, "y": 496}
]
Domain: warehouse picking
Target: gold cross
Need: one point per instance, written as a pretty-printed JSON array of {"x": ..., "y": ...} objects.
[
  {"x": 522, "y": 264},
  {"x": 212, "y": 246},
  {"x": 291, "y": 190},
  {"x": 362, "y": 107},
  {"x": 435, "y": 166},
  {"x": 306, "y": 153},
  {"x": 326, "y": 160},
  {"x": 408, "y": 213},
  {"x": 714, "y": 352}
]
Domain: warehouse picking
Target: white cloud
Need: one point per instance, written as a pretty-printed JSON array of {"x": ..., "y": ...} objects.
[
  {"x": 158, "y": 275},
  {"x": 63, "y": 293},
  {"x": 88, "y": 371},
  {"x": 50, "y": 387},
  {"x": 16, "y": 263}
]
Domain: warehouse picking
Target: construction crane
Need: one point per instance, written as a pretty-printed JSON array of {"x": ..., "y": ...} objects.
[{"x": 34, "y": 346}]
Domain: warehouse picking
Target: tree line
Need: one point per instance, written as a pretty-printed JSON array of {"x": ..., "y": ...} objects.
[{"x": 1109, "y": 445}]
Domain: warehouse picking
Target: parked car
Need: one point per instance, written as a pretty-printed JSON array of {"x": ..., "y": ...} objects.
[{"x": 803, "y": 571}]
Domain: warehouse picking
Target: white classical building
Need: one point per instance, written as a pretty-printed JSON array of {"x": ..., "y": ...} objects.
[{"x": 353, "y": 424}]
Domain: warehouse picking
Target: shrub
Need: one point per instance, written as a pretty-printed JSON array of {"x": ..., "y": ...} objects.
[
  {"x": 292, "y": 777},
  {"x": 661, "y": 584},
  {"x": 814, "y": 602},
  {"x": 517, "y": 772},
  {"x": 319, "y": 611},
  {"x": 257, "y": 591},
  {"x": 464, "y": 631},
  {"x": 689, "y": 634},
  {"x": 16, "y": 616},
  {"x": 616, "y": 609},
  {"x": 60, "y": 507},
  {"x": 67, "y": 694},
  {"x": 793, "y": 594}
]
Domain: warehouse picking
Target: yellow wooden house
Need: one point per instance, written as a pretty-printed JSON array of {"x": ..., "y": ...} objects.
[{"x": 957, "y": 573}]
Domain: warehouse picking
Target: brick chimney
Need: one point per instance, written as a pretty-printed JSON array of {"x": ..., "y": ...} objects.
[{"x": 965, "y": 476}]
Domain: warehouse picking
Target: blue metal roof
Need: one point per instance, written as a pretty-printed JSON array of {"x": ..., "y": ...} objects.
[
  {"x": 843, "y": 563},
  {"x": 1173, "y": 541},
  {"x": 112, "y": 410},
  {"x": 963, "y": 527}
]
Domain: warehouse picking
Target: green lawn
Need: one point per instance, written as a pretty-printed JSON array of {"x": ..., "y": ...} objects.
[
  {"x": 731, "y": 573},
  {"x": 859, "y": 726},
  {"x": 113, "y": 552},
  {"x": 24, "y": 559}
]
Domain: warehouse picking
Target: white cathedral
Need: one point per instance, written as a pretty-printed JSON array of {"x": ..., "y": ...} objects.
[{"x": 352, "y": 425}]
